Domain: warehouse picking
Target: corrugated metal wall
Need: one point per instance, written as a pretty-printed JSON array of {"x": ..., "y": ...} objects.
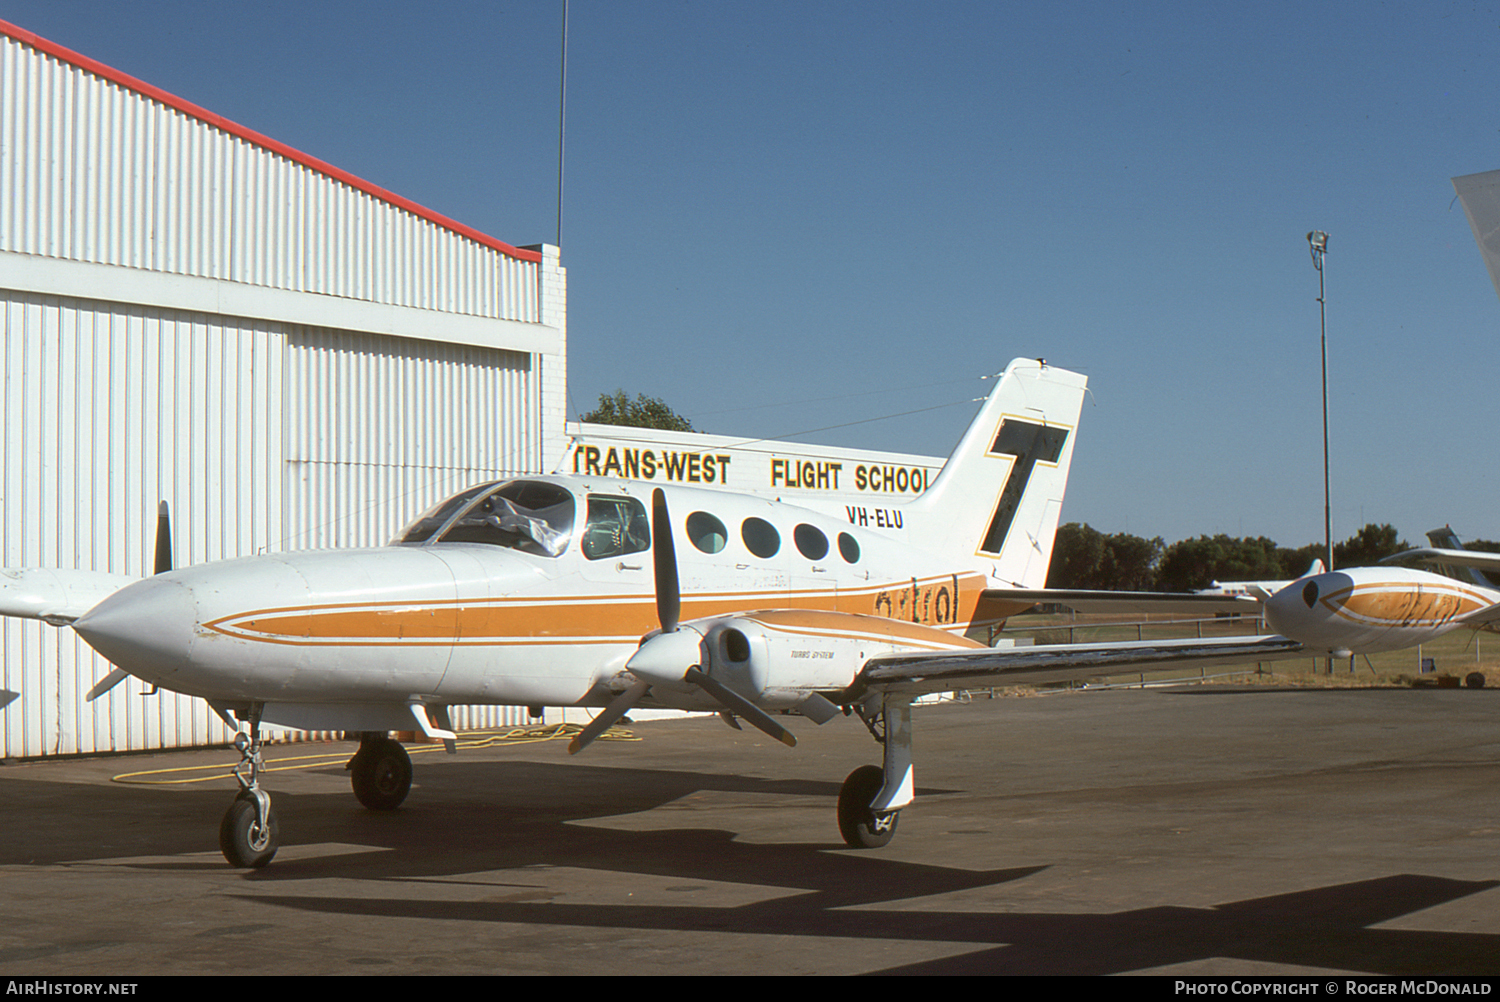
[
  {"x": 385, "y": 427},
  {"x": 92, "y": 171},
  {"x": 262, "y": 435},
  {"x": 108, "y": 409}
]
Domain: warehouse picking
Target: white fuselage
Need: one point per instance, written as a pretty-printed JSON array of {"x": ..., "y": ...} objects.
[{"x": 471, "y": 622}]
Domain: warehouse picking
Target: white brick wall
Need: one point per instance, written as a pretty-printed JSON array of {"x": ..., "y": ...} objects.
[{"x": 554, "y": 368}]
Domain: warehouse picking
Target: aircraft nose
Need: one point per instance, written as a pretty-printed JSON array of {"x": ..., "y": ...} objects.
[
  {"x": 145, "y": 628},
  {"x": 1294, "y": 606}
]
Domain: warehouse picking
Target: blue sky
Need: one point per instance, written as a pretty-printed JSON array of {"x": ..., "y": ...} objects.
[{"x": 783, "y": 216}]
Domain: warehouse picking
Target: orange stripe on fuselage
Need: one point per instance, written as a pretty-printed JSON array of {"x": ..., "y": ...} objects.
[
  {"x": 1396, "y": 604},
  {"x": 943, "y": 602}
]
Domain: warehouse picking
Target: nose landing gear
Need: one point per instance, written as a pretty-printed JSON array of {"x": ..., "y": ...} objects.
[{"x": 248, "y": 835}]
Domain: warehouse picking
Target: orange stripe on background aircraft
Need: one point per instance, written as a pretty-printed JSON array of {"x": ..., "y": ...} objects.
[{"x": 587, "y": 591}]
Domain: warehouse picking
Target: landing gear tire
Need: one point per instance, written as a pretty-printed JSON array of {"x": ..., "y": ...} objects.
[
  {"x": 861, "y": 827},
  {"x": 380, "y": 773},
  {"x": 245, "y": 842}
]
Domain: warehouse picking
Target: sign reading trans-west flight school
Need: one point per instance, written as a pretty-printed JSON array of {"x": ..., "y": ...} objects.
[{"x": 778, "y": 469}]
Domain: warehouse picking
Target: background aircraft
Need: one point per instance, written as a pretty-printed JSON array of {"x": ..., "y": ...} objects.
[
  {"x": 1367, "y": 610},
  {"x": 1259, "y": 590},
  {"x": 564, "y": 590}
]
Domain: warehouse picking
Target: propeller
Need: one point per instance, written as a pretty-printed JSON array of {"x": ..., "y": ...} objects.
[
  {"x": 163, "y": 539},
  {"x": 162, "y": 562},
  {"x": 741, "y": 706},
  {"x": 661, "y": 656}
]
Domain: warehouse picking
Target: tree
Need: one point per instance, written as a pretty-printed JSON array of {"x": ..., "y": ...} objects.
[
  {"x": 1197, "y": 563},
  {"x": 1131, "y": 561},
  {"x": 1077, "y": 555},
  {"x": 1368, "y": 546},
  {"x": 642, "y": 412},
  {"x": 1295, "y": 563},
  {"x": 1083, "y": 557}
]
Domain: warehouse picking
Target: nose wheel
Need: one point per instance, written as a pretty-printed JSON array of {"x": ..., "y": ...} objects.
[{"x": 248, "y": 835}]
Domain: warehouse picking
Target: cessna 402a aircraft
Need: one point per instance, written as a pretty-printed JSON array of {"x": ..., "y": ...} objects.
[{"x": 586, "y": 591}]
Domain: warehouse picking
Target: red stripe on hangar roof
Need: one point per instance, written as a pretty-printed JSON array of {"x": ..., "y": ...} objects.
[{"x": 235, "y": 129}]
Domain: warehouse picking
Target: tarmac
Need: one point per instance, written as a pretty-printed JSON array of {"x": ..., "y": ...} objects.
[{"x": 1208, "y": 830}]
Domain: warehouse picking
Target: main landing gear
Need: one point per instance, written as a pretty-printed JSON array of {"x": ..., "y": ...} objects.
[
  {"x": 380, "y": 772},
  {"x": 861, "y": 827},
  {"x": 248, "y": 834},
  {"x": 871, "y": 798}
]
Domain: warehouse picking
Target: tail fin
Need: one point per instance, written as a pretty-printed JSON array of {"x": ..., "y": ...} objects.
[
  {"x": 1446, "y": 539},
  {"x": 999, "y": 496}
]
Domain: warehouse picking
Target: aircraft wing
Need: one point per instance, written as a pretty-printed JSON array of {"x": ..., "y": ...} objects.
[
  {"x": 55, "y": 596},
  {"x": 916, "y": 674},
  {"x": 1452, "y": 558},
  {"x": 1123, "y": 602}
]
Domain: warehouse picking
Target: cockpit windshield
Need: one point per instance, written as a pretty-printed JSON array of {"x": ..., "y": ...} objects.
[
  {"x": 434, "y": 518},
  {"x": 526, "y": 515}
]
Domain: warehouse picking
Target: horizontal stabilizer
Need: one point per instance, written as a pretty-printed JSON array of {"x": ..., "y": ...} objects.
[
  {"x": 915, "y": 674},
  {"x": 56, "y": 597}
]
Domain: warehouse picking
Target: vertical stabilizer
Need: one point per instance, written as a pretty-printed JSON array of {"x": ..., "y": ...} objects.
[
  {"x": 1480, "y": 195},
  {"x": 999, "y": 497},
  {"x": 1446, "y": 539}
]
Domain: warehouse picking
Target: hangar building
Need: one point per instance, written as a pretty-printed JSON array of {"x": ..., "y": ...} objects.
[{"x": 290, "y": 356}]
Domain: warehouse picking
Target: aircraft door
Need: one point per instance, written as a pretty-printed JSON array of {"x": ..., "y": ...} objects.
[{"x": 616, "y": 542}]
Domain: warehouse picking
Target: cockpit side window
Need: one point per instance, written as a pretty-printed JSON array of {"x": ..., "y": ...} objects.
[{"x": 616, "y": 526}]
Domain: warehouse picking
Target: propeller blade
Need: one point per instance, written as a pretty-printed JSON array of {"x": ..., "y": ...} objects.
[
  {"x": 664, "y": 558},
  {"x": 163, "y": 539},
  {"x": 607, "y": 717},
  {"x": 108, "y": 682},
  {"x": 740, "y": 706}
]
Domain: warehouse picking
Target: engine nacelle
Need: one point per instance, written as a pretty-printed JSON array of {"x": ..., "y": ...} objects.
[
  {"x": 778, "y": 658},
  {"x": 777, "y": 668}
]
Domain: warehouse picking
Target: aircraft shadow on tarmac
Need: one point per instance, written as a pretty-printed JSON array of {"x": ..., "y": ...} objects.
[
  {"x": 472, "y": 818},
  {"x": 1325, "y": 928}
]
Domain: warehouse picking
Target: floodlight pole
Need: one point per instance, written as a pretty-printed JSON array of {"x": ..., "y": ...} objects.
[{"x": 1317, "y": 242}]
